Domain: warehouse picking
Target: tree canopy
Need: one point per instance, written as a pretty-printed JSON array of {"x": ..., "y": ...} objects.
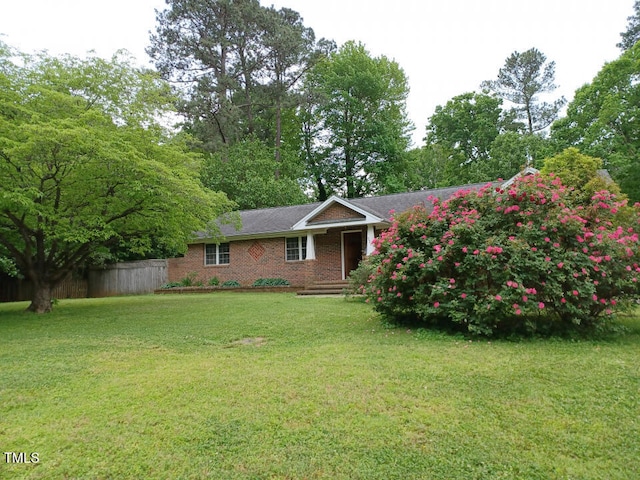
[
  {"x": 85, "y": 167},
  {"x": 632, "y": 34},
  {"x": 521, "y": 80},
  {"x": 236, "y": 64},
  {"x": 466, "y": 127},
  {"x": 244, "y": 172},
  {"x": 355, "y": 121},
  {"x": 603, "y": 120}
]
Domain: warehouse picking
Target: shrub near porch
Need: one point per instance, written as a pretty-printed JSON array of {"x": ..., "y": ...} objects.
[{"x": 526, "y": 258}]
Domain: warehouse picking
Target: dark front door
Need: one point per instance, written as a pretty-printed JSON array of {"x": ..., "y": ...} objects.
[{"x": 352, "y": 251}]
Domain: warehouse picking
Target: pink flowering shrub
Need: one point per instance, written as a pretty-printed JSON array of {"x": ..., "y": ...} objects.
[{"x": 523, "y": 259}]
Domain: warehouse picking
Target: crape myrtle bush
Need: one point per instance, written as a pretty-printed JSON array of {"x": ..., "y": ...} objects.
[{"x": 526, "y": 259}]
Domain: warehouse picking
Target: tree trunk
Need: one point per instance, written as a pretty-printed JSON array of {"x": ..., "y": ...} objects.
[
  {"x": 41, "y": 298},
  {"x": 350, "y": 174},
  {"x": 278, "y": 137}
]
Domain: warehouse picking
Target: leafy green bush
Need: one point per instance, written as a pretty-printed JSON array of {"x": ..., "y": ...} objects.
[
  {"x": 524, "y": 259},
  {"x": 358, "y": 278},
  {"x": 189, "y": 280},
  {"x": 213, "y": 282},
  {"x": 271, "y": 282},
  {"x": 231, "y": 284},
  {"x": 171, "y": 285}
]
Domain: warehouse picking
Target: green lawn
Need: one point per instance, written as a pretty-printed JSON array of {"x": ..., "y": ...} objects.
[{"x": 270, "y": 386}]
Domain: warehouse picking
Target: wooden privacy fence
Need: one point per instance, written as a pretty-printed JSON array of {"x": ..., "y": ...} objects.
[
  {"x": 16, "y": 290},
  {"x": 127, "y": 278}
]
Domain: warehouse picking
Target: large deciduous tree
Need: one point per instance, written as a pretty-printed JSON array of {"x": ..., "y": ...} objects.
[
  {"x": 244, "y": 171},
  {"x": 357, "y": 130},
  {"x": 603, "y": 120},
  {"x": 466, "y": 128},
  {"x": 521, "y": 80},
  {"x": 85, "y": 167}
]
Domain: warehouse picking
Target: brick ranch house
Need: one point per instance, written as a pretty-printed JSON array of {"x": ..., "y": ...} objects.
[{"x": 304, "y": 244}]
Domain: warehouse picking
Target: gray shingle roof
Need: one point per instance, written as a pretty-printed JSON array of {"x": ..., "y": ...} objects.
[
  {"x": 279, "y": 220},
  {"x": 399, "y": 202},
  {"x": 269, "y": 220}
]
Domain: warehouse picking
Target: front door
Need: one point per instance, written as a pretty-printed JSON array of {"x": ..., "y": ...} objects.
[{"x": 351, "y": 252}]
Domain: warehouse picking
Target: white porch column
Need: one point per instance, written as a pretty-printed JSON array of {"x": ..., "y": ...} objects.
[
  {"x": 370, "y": 238},
  {"x": 311, "y": 247}
]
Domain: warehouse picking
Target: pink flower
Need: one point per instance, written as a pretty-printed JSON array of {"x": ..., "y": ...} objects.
[
  {"x": 560, "y": 265},
  {"x": 525, "y": 298},
  {"x": 498, "y": 298},
  {"x": 541, "y": 305},
  {"x": 576, "y": 293},
  {"x": 463, "y": 296},
  {"x": 518, "y": 311},
  {"x": 436, "y": 304},
  {"x": 452, "y": 280}
]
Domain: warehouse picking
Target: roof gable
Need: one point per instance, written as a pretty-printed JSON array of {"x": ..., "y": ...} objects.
[
  {"x": 336, "y": 211},
  {"x": 527, "y": 171}
]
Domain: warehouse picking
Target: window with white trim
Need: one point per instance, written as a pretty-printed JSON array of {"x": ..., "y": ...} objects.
[
  {"x": 216, "y": 254},
  {"x": 296, "y": 248}
]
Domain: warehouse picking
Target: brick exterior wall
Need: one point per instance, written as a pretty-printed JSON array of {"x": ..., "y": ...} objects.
[
  {"x": 266, "y": 258},
  {"x": 249, "y": 260}
]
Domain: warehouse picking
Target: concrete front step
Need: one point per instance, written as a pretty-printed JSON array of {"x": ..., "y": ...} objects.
[
  {"x": 310, "y": 292},
  {"x": 332, "y": 287}
]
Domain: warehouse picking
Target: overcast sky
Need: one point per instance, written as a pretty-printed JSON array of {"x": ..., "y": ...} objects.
[{"x": 446, "y": 47}]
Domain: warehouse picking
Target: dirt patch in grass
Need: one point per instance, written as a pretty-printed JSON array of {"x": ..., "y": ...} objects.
[{"x": 249, "y": 341}]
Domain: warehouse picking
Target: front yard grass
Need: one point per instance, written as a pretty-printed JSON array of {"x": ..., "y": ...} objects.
[{"x": 271, "y": 386}]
